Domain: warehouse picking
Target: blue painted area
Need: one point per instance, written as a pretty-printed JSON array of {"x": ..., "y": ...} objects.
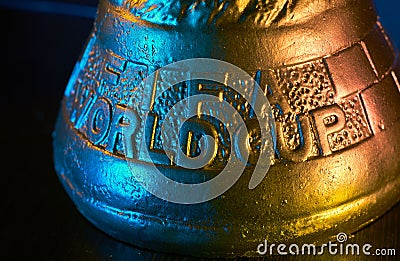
[{"x": 388, "y": 11}]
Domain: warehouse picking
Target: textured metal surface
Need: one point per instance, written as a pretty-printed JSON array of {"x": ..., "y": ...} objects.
[{"x": 334, "y": 89}]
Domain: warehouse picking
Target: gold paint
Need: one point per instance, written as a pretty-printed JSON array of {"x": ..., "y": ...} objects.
[{"x": 337, "y": 163}]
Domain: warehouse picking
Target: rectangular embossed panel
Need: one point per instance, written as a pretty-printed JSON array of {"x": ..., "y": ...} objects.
[
  {"x": 351, "y": 71},
  {"x": 379, "y": 100},
  {"x": 380, "y": 50},
  {"x": 306, "y": 86}
]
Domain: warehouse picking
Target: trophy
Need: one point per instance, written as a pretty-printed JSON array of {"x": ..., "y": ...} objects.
[{"x": 206, "y": 128}]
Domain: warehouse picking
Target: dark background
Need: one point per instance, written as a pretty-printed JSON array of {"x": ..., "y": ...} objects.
[{"x": 41, "y": 42}]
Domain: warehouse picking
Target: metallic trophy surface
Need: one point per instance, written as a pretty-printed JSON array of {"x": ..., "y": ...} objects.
[{"x": 330, "y": 74}]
